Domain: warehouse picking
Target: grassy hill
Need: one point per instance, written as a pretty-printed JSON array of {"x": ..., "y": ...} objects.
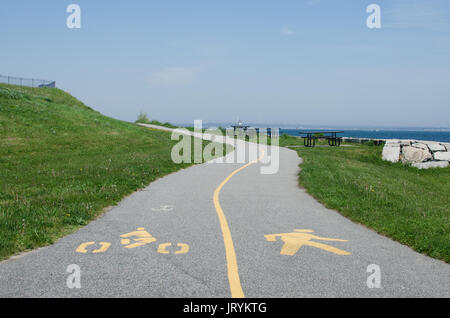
[{"x": 62, "y": 163}]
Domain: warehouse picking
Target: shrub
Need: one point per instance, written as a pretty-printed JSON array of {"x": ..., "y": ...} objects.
[{"x": 142, "y": 118}]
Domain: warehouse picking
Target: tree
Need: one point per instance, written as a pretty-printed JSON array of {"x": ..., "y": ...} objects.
[{"x": 142, "y": 118}]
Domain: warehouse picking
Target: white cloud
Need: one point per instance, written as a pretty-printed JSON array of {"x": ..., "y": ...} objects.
[
  {"x": 172, "y": 76},
  {"x": 287, "y": 31}
]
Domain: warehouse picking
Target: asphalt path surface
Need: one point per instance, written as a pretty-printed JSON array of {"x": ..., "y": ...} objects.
[{"x": 225, "y": 230}]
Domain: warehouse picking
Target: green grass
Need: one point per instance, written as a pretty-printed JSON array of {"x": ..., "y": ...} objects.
[
  {"x": 62, "y": 163},
  {"x": 143, "y": 119},
  {"x": 409, "y": 205}
]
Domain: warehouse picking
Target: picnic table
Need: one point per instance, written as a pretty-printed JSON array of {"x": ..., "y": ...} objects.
[{"x": 309, "y": 139}]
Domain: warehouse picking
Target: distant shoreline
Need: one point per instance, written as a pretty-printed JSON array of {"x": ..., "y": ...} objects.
[
  {"x": 439, "y": 136},
  {"x": 429, "y": 134},
  {"x": 324, "y": 127}
]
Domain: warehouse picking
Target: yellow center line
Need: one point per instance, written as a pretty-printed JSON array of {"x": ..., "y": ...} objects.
[{"x": 233, "y": 274}]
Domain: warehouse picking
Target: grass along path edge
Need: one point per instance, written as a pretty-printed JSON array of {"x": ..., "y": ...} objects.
[{"x": 408, "y": 205}]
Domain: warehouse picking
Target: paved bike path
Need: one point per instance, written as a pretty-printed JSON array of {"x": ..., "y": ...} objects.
[{"x": 185, "y": 254}]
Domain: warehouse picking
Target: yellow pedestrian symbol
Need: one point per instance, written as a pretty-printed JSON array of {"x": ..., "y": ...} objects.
[
  {"x": 142, "y": 237},
  {"x": 295, "y": 240}
]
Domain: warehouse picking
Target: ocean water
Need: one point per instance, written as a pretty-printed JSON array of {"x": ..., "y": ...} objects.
[{"x": 442, "y": 136}]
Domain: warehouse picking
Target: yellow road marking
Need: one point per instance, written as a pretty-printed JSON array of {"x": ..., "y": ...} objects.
[
  {"x": 162, "y": 248},
  {"x": 82, "y": 247},
  {"x": 142, "y": 237},
  {"x": 295, "y": 240},
  {"x": 103, "y": 247},
  {"x": 233, "y": 273},
  {"x": 184, "y": 248}
]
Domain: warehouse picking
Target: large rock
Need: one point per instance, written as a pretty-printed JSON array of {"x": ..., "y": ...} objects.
[
  {"x": 420, "y": 146},
  {"x": 398, "y": 142},
  {"x": 415, "y": 155},
  {"x": 446, "y": 145},
  {"x": 391, "y": 152},
  {"x": 431, "y": 164},
  {"x": 442, "y": 156},
  {"x": 436, "y": 147},
  {"x": 421, "y": 154}
]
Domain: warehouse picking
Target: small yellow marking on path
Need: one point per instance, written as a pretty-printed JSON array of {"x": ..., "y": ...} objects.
[
  {"x": 103, "y": 247},
  {"x": 184, "y": 248},
  {"x": 232, "y": 267},
  {"x": 142, "y": 237},
  {"x": 82, "y": 247},
  {"x": 162, "y": 248},
  {"x": 295, "y": 240}
]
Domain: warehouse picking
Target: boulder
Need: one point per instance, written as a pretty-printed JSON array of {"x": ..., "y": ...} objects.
[
  {"x": 442, "y": 156},
  {"x": 420, "y": 146},
  {"x": 418, "y": 153},
  {"x": 415, "y": 155},
  {"x": 436, "y": 147},
  {"x": 431, "y": 164},
  {"x": 398, "y": 142},
  {"x": 391, "y": 152},
  {"x": 446, "y": 145}
]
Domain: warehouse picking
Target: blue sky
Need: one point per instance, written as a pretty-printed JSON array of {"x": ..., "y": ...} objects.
[{"x": 297, "y": 62}]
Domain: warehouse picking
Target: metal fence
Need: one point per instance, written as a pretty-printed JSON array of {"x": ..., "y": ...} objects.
[{"x": 31, "y": 82}]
